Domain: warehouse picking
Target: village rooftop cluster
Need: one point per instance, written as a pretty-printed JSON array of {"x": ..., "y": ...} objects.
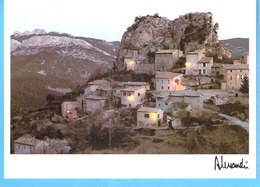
[{"x": 158, "y": 102}]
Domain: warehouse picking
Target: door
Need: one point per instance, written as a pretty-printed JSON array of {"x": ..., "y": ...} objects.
[{"x": 159, "y": 123}]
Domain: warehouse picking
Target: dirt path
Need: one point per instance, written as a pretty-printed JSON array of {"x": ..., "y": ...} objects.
[{"x": 235, "y": 121}]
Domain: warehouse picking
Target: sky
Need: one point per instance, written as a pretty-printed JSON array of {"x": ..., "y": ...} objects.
[{"x": 109, "y": 19}]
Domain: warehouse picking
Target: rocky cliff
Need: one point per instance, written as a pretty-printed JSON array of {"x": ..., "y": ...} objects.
[{"x": 189, "y": 32}]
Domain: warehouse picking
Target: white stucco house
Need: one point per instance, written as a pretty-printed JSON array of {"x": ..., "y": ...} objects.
[
  {"x": 149, "y": 117},
  {"x": 168, "y": 81},
  {"x": 94, "y": 103},
  {"x": 132, "y": 96}
]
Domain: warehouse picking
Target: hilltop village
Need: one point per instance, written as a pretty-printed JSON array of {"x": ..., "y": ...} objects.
[{"x": 183, "y": 103}]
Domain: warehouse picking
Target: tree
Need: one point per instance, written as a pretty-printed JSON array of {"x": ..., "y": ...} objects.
[{"x": 245, "y": 85}]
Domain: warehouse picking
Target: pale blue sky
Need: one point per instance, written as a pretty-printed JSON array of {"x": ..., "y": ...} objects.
[{"x": 109, "y": 19}]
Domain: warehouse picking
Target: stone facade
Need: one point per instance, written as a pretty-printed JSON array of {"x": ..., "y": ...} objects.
[
  {"x": 94, "y": 103},
  {"x": 165, "y": 101},
  {"x": 234, "y": 74},
  {"x": 167, "y": 81},
  {"x": 68, "y": 107},
  {"x": 149, "y": 117},
  {"x": 166, "y": 59},
  {"x": 204, "y": 65}
]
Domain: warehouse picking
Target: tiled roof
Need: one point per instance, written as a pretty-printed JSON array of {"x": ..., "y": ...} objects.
[
  {"x": 99, "y": 82},
  {"x": 180, "y": 94},
  {"x": 192, "y": 94},
  {"x": 235, "y": 66},
  {"x": 193, "y": 52},
  {"x": 136, "y": 83},
  {"x": 166, "y": 75},
  {"x": 94, "y": 97},
  {"x": 205, "y": 60},
  {"x": 148, "y": 109},
  {"x": 104, "y": 88},
  {"x": 166, "y": 51},
  {"x": 216, "y": 65},
  {"x": 131, "y": 89},
  {"x": 28, "y": 140}
]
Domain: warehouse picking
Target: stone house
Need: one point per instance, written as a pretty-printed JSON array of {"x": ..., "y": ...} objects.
[
  {"x": 149, "y": 117},
  {"x": 233, "y": 76},
  {"x": 130, "y": 64},
  {"x": 166, "y": 59},
  {"x": 168, "y": 81},
  {"x": 106, "y": 92},
  {"x": 216, "y": 70},
  {"x": 204, "y": 65},
  {"x": 94, "y": 103},
  {"x": 117, "y": 95},
  {"x": 165, "y": 101},
  {"x": 145, "y": 68},
  {"x": 132, "y": 96},
  {"x": 192, "y": 59},
  {"x": 82, "y": 100},
  {"x": 130, "y": 60},
  {"x": 69, "y": 109},
  {"x": 29, "y": 145},
  {"x": 92, "y": 86}
]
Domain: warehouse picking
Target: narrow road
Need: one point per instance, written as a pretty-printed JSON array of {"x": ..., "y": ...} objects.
[{"x": 235, "y": 121}]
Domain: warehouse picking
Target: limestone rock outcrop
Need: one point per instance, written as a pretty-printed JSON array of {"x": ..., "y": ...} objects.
[{"x": 189, "y": 32}]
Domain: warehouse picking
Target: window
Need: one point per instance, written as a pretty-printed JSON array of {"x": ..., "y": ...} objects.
[
  {"x": 230, "y": 70},
  {"x": 204, "y": 65},
  {"x": 124, "y": 94},
  {"x": 200, "y": 71},
  {"x": 139, "y": 94},
  {"x": 230, "y": 77},
  {"x": 158, "y": 116},
  {"x": 168, "y": 87},
  {"x": 240, "y": 77},
  {"x": 204, "y": 71},
  {"x": 146, "y": 116},
  {"x": 241, "y": 70},
  {"x": 162, "y": 87},
  {"x": 128, "y": 94}
]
